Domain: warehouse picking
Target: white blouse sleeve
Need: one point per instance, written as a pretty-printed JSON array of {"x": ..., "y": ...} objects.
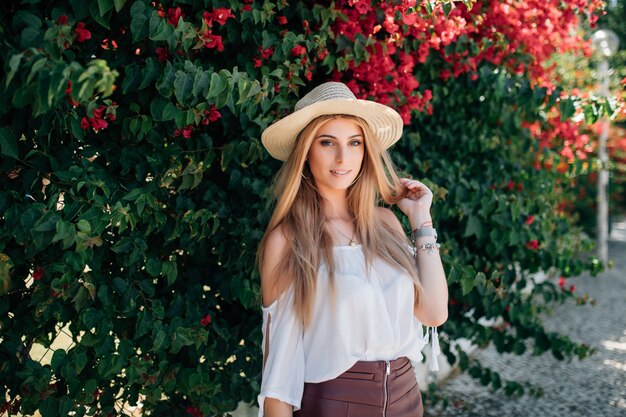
[{"x": 283, "y": 353}]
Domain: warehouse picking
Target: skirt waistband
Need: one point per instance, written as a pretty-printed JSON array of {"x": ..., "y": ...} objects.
[{"x": 368, "y": 382}]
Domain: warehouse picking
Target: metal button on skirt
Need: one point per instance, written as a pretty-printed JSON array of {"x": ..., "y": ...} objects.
[{"x": 368, "y": 389}]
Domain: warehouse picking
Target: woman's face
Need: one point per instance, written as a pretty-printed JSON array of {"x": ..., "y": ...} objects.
[{"x": 336, "y": 154}]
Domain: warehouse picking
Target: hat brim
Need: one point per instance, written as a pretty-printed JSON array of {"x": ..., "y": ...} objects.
[{"x": 385, "y": 123}]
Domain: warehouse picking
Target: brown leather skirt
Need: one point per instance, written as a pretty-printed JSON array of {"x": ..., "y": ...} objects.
[{"x": 368, "y": 389}]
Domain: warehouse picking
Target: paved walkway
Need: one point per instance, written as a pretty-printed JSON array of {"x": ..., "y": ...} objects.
[{"x": 595, "y": 386}]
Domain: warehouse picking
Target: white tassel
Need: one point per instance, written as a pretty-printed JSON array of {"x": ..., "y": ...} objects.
[{"x": 434, "y": 350}]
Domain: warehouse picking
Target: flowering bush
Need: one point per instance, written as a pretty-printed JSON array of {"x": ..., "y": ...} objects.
[{"x": 134, "y": 184}]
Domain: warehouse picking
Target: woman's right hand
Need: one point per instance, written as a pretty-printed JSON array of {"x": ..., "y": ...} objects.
[{"x": 277, "y": 408}]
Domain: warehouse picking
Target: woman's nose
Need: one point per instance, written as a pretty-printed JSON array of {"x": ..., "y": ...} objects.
[{"x": 339, "y": 154}]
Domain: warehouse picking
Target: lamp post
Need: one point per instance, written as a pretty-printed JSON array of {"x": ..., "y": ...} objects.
[{"x": 605, "y": 43}]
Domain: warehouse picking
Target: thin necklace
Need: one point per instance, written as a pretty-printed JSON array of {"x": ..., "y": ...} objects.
[{"x": 351, "y": 239}]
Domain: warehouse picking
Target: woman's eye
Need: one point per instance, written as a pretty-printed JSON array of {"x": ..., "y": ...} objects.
[
  {"x": 355, "y": 143},
  {"x": 326, "y": 142}
]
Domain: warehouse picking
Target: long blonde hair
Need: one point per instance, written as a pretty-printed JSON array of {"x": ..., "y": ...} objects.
[{"x": 299, "y": 212}]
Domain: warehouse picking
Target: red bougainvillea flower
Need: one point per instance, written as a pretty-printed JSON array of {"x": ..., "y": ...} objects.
[
  {"x": 194, "y": 411},
  {"x": 533, "y": 244},
  {"x": 163, "y": 53},
  {"x": 212, "y": 114},
  {"x": 510, "y": 185},
  {"x": 572, "y": 288},
  {"x": 213, "y": 41},
  {"x": 80, "y": 33},
  {"x": 257, "y": 62},
  {"x": 174, "y": 15},
  {"x": 282, "y": 20},
  {"x": 206, "y": 320},
  {"x": 298, "y": 50},
  {"x": 266, "y": 53},
  {"x": 562, "y": 281},
  {"x": 98, "y": 124},
  {"x": 62, "y": 20},
  {"x": 38, "y": 273},
  {"x": 623, "y": 81},
  {"x": 529, "y": 220},
  {"x": 97, "y": 121},
  {"x": 219, "y": 15},
  {"x": 184, "y": 132}
]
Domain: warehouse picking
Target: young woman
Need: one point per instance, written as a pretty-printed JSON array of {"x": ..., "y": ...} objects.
[{"x": 345, "y": 294}]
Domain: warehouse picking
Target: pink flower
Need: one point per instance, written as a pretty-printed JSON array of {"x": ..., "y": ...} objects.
[
  {"x": 81, "y": 33},
  {"x": 62, "y": 20},
  {"x": 257, "y": 62},
  {"x": 572, "y": 288},
  {"x": 529, "y": 220},
  {"x": 282, "y": 20},
  {"x": 561, "y": 282},
  {"x": 84, "y": 123}
]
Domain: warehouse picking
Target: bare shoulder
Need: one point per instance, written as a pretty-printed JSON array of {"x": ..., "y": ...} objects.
[
  {"x": 390, "y": 218},
  {"x": 272, "y": 283}
]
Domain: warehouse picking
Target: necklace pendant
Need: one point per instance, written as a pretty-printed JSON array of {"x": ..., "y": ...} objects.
[{"x": 352, "y": 243}]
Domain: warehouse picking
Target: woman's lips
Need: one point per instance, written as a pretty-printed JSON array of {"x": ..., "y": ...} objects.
[{"x": 340, "y": 171}]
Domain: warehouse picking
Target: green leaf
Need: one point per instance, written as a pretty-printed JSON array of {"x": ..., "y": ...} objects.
[
  {"x": 101, "y": 19},
  {"x": 58, "y": 358},
  {"x": 200, "y": 83},
  {"x": 183, "y": 86},
  {"x": 160, "y": 341},
  {"x": 65, "y": 406},
  {"x": 66, "y": 232},
  {"x": 153, "y": 267},
  {"x": 104, "y": 6},
  {"x": 170, "y": 271},
  {"x": 467, "y": 284},
  {"x": 139, "y": 21},
  {"x": 84, "y": 226},
  {"x": 119, "y": 4},
  {"x": 8, "y": 143},
  {"x": 14, "y": 64},
  {"x": 218, "y": 84},
  {"x": 49, "y": 407},
  {"x": 473, "y": 227}
]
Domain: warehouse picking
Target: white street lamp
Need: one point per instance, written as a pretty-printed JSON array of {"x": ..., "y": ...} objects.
[{"x": 605, "y": 43}]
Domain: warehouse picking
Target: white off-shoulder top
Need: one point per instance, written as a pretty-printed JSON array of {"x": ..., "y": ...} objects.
[{"x": 373, "y": 320}]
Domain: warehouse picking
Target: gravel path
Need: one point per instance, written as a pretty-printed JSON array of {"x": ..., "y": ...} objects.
[{"x": 595, "y": 386}]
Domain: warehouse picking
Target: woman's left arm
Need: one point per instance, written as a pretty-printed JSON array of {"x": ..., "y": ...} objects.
[{"x": 432, "y": 309}]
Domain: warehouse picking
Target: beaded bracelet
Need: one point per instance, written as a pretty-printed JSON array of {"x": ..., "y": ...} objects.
[{"x": 429, "y": 247}]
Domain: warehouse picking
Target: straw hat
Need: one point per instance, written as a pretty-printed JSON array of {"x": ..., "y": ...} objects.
[{"x": 331, "y": 98}]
